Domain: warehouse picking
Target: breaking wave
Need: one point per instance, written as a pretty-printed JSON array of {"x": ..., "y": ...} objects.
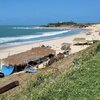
[{"x": 28, "y": 37}]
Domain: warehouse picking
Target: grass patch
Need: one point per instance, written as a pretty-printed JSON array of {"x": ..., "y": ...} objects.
[{"x": 80, "y": 82}]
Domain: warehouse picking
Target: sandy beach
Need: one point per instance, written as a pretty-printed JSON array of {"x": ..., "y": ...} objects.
[{"x": 55, "y": 44}]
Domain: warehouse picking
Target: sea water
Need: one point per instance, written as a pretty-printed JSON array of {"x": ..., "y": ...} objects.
[{"x": 18, "y": 35}]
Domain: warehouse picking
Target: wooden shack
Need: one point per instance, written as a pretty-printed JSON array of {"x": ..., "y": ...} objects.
[
  {"x": 35, "y": 55},
  {"x": 66, "y": 47},
  {"x": 83, "y": 41},
  {"x": 79, "y": 41}
]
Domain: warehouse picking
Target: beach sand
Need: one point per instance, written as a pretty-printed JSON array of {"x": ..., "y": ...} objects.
[
  {"x": 23, "y": 77},
  {"x": 55, "y": 43}
]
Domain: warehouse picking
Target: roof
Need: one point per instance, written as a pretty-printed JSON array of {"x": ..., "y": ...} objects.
[
  {"x": 79, "y": 40},
  {"x": 65, "y": 46},
  {"x": 31, "y": 55}
]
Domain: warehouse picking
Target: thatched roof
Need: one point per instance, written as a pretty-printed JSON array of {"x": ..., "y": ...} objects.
[
  {"x": 31, "y": 55},
  {"x": 79, "y": 41},
  {"x": 65, "y": 46}
]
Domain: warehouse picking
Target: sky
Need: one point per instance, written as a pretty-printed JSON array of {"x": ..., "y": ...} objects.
[{"x": 39, "y": 12}]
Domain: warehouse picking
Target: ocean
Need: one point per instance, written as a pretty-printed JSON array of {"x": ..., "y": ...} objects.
[{"x": 18, "y": 35}]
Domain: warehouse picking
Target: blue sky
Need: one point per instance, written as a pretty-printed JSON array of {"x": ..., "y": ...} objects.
[{"x": 36, "y": 12}]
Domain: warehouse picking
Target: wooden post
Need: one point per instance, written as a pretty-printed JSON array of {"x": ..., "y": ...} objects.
[{"x": 9, "y": 86}]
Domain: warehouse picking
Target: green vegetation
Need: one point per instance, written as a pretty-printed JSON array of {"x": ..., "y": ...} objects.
[
  {"x": 80, "y": 82},
  {"x": 60, "y": 24}
]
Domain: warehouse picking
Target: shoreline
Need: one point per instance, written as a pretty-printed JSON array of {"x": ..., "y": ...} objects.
[
  {"x": 54, "y": 43},
  {"x": 24, "y": 44},
  {"x": 4, "y": 46}
]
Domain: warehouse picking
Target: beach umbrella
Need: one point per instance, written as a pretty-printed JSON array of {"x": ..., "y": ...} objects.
[{"x": 7, "y": 70}]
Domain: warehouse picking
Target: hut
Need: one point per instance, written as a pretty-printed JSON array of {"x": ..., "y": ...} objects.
[
  {"x": 66, "y": 47},
  {"x": 79, "y": 41},
  {"x": 33, "y": 57}
]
